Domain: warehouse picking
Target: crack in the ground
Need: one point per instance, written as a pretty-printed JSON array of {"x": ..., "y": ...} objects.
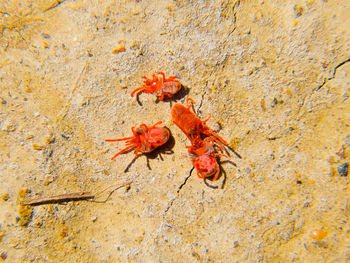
[
  {"x": 334, "y": 72},
  {"x": 177, "y": 192},
  {"x": 307, "y": 98},
  {"x": 200, "y": 104}
]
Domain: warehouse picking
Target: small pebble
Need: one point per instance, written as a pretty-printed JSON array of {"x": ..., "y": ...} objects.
[
  {"x": 3, "y": 255},
  {"x": 30, "y": 136},
  {"x": 65, "y": 136},
  {"x": 119, "y": 49},
  {"x": 37, "y": 147},
  {"x": 28, "y": 89},
  {"x": 318, "y": 234},
  {"x": 44, "y": 35},
  {"x": 5, "y": 197},
  {"x": 274, "y": 102},
  {"x": 343, "y": 169}
]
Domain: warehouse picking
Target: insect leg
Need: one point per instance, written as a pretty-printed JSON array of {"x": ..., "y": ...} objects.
[
  {"x": 138, "y": 90},
  {"x": 118, "y": 140},
  {"x": 124, "y": 150}
]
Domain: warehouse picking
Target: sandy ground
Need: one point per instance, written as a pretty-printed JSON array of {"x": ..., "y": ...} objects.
[{"x": 273, "y": 74}]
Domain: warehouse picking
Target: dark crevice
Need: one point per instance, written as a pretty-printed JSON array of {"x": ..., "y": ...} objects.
[
  {"x": 185, "y": 181},
  {"x": 201, "y": 103},
  {"x": 334, "y": 72},
  {"x": 178, "y": 191}
]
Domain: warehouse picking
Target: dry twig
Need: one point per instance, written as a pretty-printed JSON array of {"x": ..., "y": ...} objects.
[
  {"x": 60, "y": 198},
  {"x": 87, "y": 196}
]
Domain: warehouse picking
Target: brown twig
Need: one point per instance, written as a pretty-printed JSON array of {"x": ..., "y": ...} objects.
[
  {"x": 60, "y": 198},
  {"x": 81, "y": 196},
  {"x": 126, "y": 185}
]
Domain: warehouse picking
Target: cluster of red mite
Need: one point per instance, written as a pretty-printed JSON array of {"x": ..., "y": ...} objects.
[{"x": 147, "y": 138}]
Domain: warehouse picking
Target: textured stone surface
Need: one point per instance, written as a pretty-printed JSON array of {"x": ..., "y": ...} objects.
[{"x": 273, "y": 74}]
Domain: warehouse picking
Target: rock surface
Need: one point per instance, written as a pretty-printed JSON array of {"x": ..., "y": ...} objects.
[{"x": 273, "y": 74}]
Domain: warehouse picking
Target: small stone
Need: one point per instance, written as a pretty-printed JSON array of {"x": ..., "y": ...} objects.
[
  {"x": 5, "y": 197},
  {"x": 66, "y": 136},
  {"x": 94, "y": 218},
  {"x": 134, "y": 45},
  {"x": 343, "y": 169},
  {"x": 48, "y": 179},
  {"x": 3, "y": 255},
  {"x": 28, "y": 89},
  {"x": 50, "y": 138},
  {"x": 45, "y": 44},
  {"x": 235, "y": 244},
  {"x": 9, "y": 126},
  {"x": 2, "y": 233},
  {"x": 37, "y": 147},
  {"x": 306, "y": 204},
  {"x": 298, "y": 10},
  {"x": 46, "y": 36},
  {"x": 105, "y": 172},
  {"x": 274, "y": 102},
  {"x": 318, "y": 234},
  {"x": 118, "y": 49}
]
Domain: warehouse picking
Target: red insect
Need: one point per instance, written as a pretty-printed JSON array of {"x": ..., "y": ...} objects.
[
  {"x": 144, "y": 138},
  {"x": 191, "y": 125},
  {"x": 161, "y": 86},
  {"x": 203, "y": 139},
  {"x": 204, "y": 158}
]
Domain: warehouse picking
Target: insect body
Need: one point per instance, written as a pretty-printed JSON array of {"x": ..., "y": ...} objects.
[
  {"x": 144, "y": 138},
  {"x": 202, "y": 138},
  {"x": 204, "y": 157},
  {"x": 191, "y": 125},
  {"x": 159, "y": 85}
]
